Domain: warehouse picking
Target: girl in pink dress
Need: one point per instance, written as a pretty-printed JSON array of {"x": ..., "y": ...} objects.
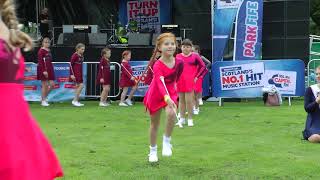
[
  {"x": 192, "y": 71},
  {"x": 45, "y": 71},
  {"x": 104, "y": 76},
  {"x": 127, "y": 80},
  {"x": 76, "y": 72},
  {"x": 198, "y": 87},
  {"x": 157, "y": 98},
  {"x": 25, "y": 153}
]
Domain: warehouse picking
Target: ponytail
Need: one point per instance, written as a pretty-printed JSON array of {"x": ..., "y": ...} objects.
[{"x": 17, "y": 38}]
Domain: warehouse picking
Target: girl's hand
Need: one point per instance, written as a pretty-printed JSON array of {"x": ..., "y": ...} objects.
[
  {"x": 195, "y": 79},
  {"x": 318, "y": 100},
  {"x": 73, "y": 77},
  {"x": 101, "y": 80},
  {"x": 45, "y": 73}
]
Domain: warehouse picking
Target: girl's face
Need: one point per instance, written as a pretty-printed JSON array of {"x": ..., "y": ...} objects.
[
  {"x": 168, "y": 47},
  {"x": 186, "y": 49},
  {"x": 46, "y": 43},
  {"x": 81, "y": 50},
  {"x": 127, "y": 57},
  {"x": 318, "y": 74},
  {"x": 107, "y": 55},
  {"x": 195, "y": 50}
]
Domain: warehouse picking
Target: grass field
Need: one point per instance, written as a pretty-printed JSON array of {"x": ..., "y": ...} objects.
[{"x": 238, "y": 141}]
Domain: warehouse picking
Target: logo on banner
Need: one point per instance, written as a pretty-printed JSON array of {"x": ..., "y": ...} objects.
[
  {"x": 138, "y": 71},
  {"x": 251, "y": 23},
  {"x": 145, "y": 12},
  {"x": 285, "y": 81},
  {"x": 224, "y": 4},
  {"x": 241, "y": 76}
]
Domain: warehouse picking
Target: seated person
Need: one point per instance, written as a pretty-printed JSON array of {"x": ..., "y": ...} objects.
[{"x": 312, "y": 107}]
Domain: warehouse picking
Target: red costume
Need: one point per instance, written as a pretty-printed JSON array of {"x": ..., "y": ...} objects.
[
  {"x": 193, "y": 67},
  {"x": 126, "y": 74},
  {"x": 198, "y": 85},
  {"x": 76, "y": 68},
  {"x": 154, "y": 98},
  {"x": 45, "y": 64},
  {"x": 104, "y": 72},
  {"x": 24, "y": 150}
]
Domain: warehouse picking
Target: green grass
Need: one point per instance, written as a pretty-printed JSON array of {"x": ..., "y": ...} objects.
[{"x": 238, "y": 141}]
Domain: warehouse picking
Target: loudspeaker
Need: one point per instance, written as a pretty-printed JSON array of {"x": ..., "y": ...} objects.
[
  {"x": 72, "y": 39},
  {"x": 139, "y": 39},
  {"x": 286, "y": 29},
  {"x": 154, "y": 39},
  {"x": 98, "y": 39}
]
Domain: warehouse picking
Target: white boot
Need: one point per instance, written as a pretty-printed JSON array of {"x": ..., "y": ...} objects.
[
  {"x": 166, "y": 146},
  {"x": 180, "y": 122},
  {"x": 190, "y": 123},
  {"x": 153, "y": 157}
]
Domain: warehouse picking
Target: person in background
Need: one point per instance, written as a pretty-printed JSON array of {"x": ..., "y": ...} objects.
[
  {"x": 76, "y": 72},
  {"x": 312, "y": 107},
  {"x": 127, "y": 80},
  {"x": 44, "y": 23},
  {"x": 104, "y": 76},
  {"x": 45, "y": 71}
]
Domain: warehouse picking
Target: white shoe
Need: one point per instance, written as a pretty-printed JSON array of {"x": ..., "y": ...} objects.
[
  {"x": 77, "y": 104},
  {"x": 179, "y": 115},
  {"x": 153, "y": 157},
  {"x": 196, "y": 111},
  {"x": 129, "y": 102},
  {"x": 166, "y": 147},
  {"x": 200, "y": 102},
  {"x": 123, "y": 104},
  {"x": 102, "y": 104},
  {"x": 180, "y": 122},
  {"x": 44, "y": 103},
  {"x": 190, "y": 123}
]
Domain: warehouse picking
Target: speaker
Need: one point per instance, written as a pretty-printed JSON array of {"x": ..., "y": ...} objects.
[
  {"x": 98, "y": 39},
  {"x": 286, "y": 29},
  {"x": 173, "y": 28},
  {"x": 72, "y": 39},
  {"x": 154, "y": 39},
  {"x": 139, "y": 39}
]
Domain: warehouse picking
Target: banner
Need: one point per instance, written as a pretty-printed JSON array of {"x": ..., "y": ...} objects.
[
  {"x": 138, "y": 67},
  {"x": 223, "y": 16},
  {"x": 245, "y": 79},
  {"x": 146, "y": 14},
  {"x": 63, "y": 89},
  {"x": 248, "y": 34},
  {"x": 241, "y": 76}
]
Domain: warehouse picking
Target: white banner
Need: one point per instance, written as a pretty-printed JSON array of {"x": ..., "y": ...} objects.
[
  {"x": 242, "y": 76},
  {"x": 225, "y": 4},
  {"x": 285, "y": 81}
]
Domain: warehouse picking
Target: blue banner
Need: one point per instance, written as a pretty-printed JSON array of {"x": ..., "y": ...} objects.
[
  {"x": 63, "y": 89},
  {"x": 244, "y": 79},
  {"x": 223, "y": 16},
  {"x": 138, "y": 68},
  {"x": 145, "y": 14},
  {"x": 249, "y": 30}
]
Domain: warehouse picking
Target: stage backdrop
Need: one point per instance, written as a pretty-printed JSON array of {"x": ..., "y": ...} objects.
[
  {"x": 242, "y": 79},
  {"x": 149, "y": 14}
]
